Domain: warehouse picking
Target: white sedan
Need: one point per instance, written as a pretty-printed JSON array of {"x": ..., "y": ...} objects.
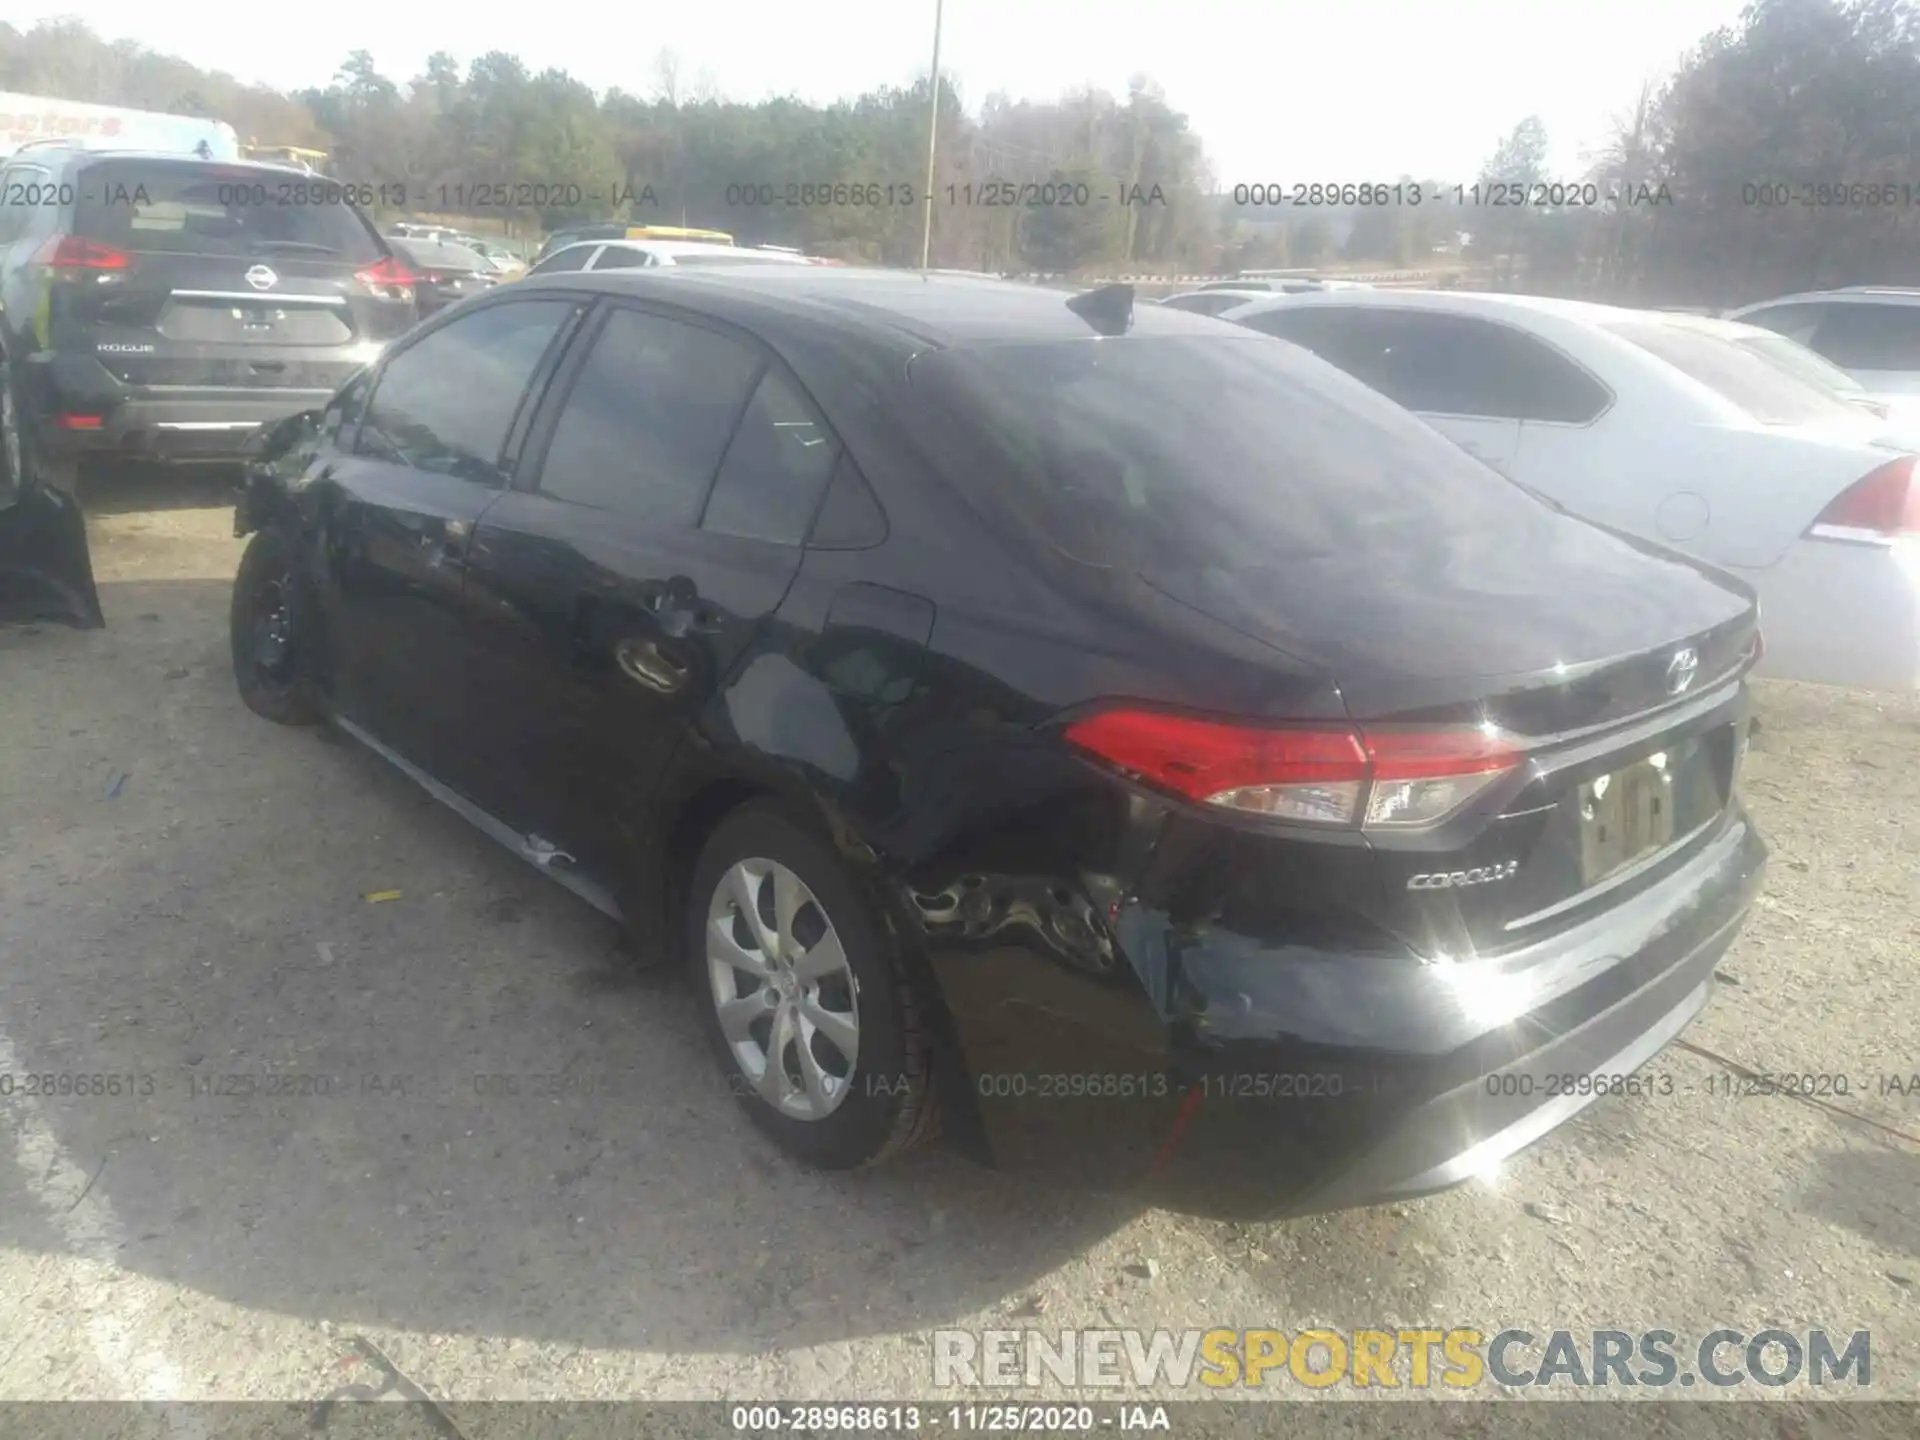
[{"x": 1657, "y": 425}]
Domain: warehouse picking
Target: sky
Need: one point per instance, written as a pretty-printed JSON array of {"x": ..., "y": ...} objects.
[{"x": 1279, "y": 90}]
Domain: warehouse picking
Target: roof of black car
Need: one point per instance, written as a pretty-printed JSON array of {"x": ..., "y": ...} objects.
[{"x": 935, "y": 308}]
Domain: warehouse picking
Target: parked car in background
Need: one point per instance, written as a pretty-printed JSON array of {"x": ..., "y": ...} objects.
[
  {"x": 1665, "y": 428},
  {"x": 1901, "y": 414},
  {"x": 957, "y": 698},
  {"x": 505, "y": 263},
  {"x": 445, "y": 272},
  {"x": 1213, "y": 302},
  {"x": 1285, "y": 284},
  {"x": 641, "y": 254},
  {"x": 1870, "y": 331},
  {"x": 619, "y": 230}
]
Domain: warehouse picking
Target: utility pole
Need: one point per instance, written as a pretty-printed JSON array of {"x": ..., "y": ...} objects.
[{"x": 933, "y": 136}]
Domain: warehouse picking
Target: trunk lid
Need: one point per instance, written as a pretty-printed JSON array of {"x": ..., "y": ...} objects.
[{"x": 1268, "y": 491}]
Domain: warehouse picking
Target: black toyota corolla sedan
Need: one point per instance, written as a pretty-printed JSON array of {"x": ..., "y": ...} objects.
[{"x": 1124, "y": 741}]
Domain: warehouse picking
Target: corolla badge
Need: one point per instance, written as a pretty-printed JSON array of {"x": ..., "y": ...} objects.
[
  {"x": 261, "y": 278},
  {"x": 1458, "y": 879},
  {"x": 1681, "y": 669}
]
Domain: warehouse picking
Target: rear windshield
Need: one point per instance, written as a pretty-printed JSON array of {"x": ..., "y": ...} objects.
[
  {"x": 1792, "y": 355},
  {"x": 735, "y": 257},
  {"x": 1761, "y": 387},
  {"x": 1169, "y": 454},
  {"x": 441, "y": 255},
  {"x": 197, "y": 209}
]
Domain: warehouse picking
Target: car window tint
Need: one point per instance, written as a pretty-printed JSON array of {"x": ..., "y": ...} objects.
[
  {"x": 1446, "y": 364},
  {"x": 1796, "y": 322},
  {"x": 775, "y": 469},
  {"x": 445, "y": 403},
  {"x": 1197, "y": 454},
  {"x": 1762, "y": 388},
  {"x": 574, "y": 257},
  {"x": 1870, "y": 337},
  {"x": 619, "y": 257},
  {"x": 648, "y": 418},
  {"x": 188, "y": 207}
]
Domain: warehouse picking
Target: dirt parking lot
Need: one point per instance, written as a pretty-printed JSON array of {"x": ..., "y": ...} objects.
[{"x": 182, "y": 899}]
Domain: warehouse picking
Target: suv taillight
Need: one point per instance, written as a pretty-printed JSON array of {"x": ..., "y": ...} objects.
[
  {"x": 75, "y": 252},
  {"x": 1883, "y": 506},
  {"x": 1394, "y": 779},
  {"x": 388, "y": 279}
]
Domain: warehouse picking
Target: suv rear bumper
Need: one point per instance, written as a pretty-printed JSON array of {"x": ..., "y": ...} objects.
[{"x": 152, "y": 422}]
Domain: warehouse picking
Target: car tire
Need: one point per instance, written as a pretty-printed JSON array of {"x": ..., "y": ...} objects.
[
  {"x": 837, "y": 1112},
  {"x": 267, "y": 626}
]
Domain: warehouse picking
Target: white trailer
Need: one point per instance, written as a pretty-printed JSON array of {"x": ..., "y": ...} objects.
[{"x": 28, "y": 118}]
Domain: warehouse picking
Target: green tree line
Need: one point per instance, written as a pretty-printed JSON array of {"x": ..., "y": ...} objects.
[{"x": 1779, "y": 154}]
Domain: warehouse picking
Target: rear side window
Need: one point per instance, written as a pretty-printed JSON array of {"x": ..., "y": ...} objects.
[
  {"x": 1761, "y": 387},
  {"x": 618, "y": 257},
  {"x": 445, "y": 403},
  {"x": 196, "y": 209},
  {"x": 1871, "y": 337},
  {"x": 1197, "y": 453},
  {"x": 776, "y": 468},
  {"x": 1445, "y": 364},
  {"x": 648, "y": 418},
  {"x": 574, "y": 257}
]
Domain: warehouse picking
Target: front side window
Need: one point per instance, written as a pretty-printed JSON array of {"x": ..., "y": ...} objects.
[
  {"x": 648, "y": 418},
  {"x": 446, "y": 402}
]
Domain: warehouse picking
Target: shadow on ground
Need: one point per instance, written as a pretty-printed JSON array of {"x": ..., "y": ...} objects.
[{"x": 455, "y": 1111}]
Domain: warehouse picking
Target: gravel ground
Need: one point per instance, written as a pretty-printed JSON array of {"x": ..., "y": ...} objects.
[{"x": 182, "y": 898}]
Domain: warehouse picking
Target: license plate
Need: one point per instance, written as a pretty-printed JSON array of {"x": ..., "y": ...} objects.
[{"x": 1628, "y": 814}]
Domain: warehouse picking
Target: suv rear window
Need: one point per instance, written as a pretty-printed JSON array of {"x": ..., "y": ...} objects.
[
  {"x": 1768, "y": 393},
  {"x": 184, "y": 207},
  {"x": 1166, "y": 454}
]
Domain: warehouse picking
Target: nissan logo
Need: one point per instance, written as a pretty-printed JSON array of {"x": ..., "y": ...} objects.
[
  {"x": 261, "y": 278},
  {"x": 1681, "y": 669}
]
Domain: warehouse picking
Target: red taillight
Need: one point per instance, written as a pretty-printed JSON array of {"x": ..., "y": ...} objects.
[
  {"x": 1340, "y": 777},
  {"x": 74, "y": 252},
  {"x": 388, "y": 279},
  {"x": 78, "y": 422},
  {"x": 1885, "y": 504}
]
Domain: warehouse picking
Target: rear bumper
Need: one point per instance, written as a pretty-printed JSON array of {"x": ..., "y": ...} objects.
[
  {"x": 153, "y": 422},
  {"x": 1273, "y": 1079},
  {"x": 1573, "y": 1020}
]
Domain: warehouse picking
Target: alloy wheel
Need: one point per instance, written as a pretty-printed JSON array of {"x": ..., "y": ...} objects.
[{"x": 785, "y": 995}]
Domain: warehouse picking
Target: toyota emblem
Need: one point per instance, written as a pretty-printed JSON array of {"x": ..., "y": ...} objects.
[
  {"x": 1681, "y": 669},
  {"x": 261, "y": 278}
]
